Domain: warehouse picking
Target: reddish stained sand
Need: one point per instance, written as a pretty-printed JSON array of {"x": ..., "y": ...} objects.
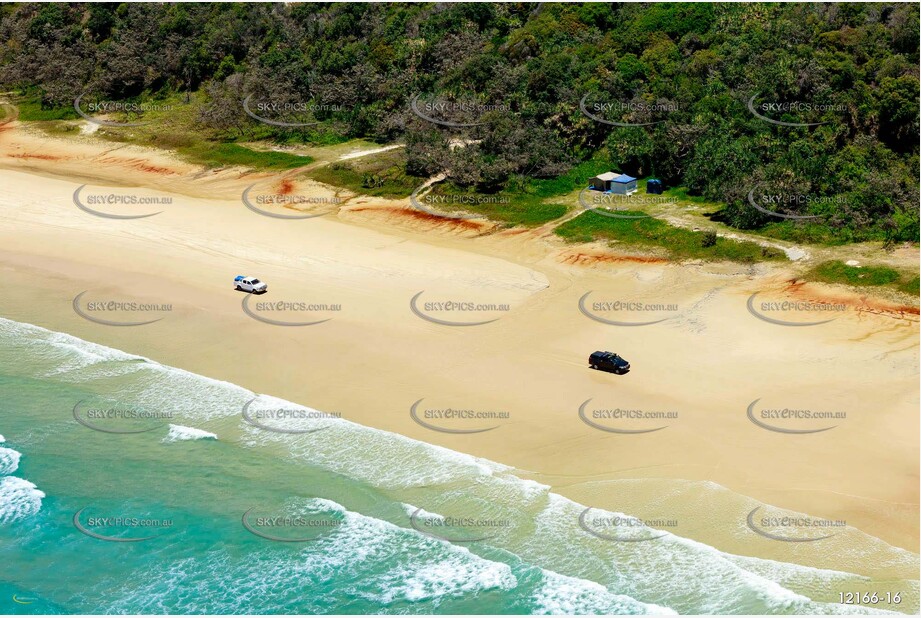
[
  {"x": 801, "y": 289},
  {"x": 138, "y": 164},
  {"x": 286, "y": 187},
  {"x": 417, "y": 215},
  {"x": 43, "y": 157},
  {"x": 515, "y": 231},
  {"x": 306, "y": 209},
  {"x": 590, "y": 259}
]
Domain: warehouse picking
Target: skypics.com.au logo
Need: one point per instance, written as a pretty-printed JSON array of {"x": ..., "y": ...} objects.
[
  {"x": 129, "y": 108},
  {"x": 454, "y": 112}
]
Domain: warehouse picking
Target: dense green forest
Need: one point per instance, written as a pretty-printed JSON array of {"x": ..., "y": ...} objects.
[{"x": 686, "y": 92}]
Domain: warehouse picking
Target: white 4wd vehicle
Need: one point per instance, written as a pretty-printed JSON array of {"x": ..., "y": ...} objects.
[{"x": 249, "y": 284}]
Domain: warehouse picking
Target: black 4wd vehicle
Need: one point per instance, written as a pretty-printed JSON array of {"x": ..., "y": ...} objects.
[{"x": 608, "y": 361}]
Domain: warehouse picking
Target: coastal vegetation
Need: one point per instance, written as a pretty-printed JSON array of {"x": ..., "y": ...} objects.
[
  {"x": 835, "y": 271},
  {"x": 807, "y": 110},
  {"x": 656, "y": 235},
  {"x": 383, "y": 175}
]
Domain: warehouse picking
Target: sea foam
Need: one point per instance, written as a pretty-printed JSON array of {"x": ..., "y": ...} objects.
[
  {"x": 674, "y": 571},
  {"x": 559, "y": 594},
  {"x": 18, "y": 499},
  {"x": 178, "y": 433},
  {"x": 9, "y": 460}
]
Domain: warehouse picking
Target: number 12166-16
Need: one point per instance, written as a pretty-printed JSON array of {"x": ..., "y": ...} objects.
[{"x": 870, "y": 598}]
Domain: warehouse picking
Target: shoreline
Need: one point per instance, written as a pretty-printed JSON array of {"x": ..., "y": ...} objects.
[
  {"x": 850, "y": 564},
  {"x": 51, "y": 252},
  {"x": 252, "y": 455}
]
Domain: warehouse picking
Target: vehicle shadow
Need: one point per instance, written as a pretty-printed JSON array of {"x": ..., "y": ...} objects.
[{"x": 618, "y": 372}]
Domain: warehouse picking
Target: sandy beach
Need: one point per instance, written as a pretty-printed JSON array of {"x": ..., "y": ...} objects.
[{"x": 704, "y": 363}]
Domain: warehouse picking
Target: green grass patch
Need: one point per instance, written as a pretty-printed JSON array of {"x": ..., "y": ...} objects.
[
  {"x": 61, "y": 127},
  {"x": 836, "y": 271},
  {"x": 575, "y": 178},
  {"x": 381, "y": 175},
  {"x": 650, "y": 233},
  {"x": 31, "y": 110},
  {"x": 222, "y": 155},
  {"x": 511, "y": 208},
  {"x": 172, "y": 123},
  {"x": 910, "y": 285},
  {"x": 814, "y": 233},
  {"x": 528, "y": 202}
]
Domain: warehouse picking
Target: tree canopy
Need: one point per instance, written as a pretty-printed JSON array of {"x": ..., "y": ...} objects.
[{"x": 816, "y": 100}]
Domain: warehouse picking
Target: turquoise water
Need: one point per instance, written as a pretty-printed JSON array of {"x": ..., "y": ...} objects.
[{"x": 351, "y": 543}]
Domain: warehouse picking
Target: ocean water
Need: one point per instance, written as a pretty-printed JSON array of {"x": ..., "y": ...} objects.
[{"x": 130, "y": 487}]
